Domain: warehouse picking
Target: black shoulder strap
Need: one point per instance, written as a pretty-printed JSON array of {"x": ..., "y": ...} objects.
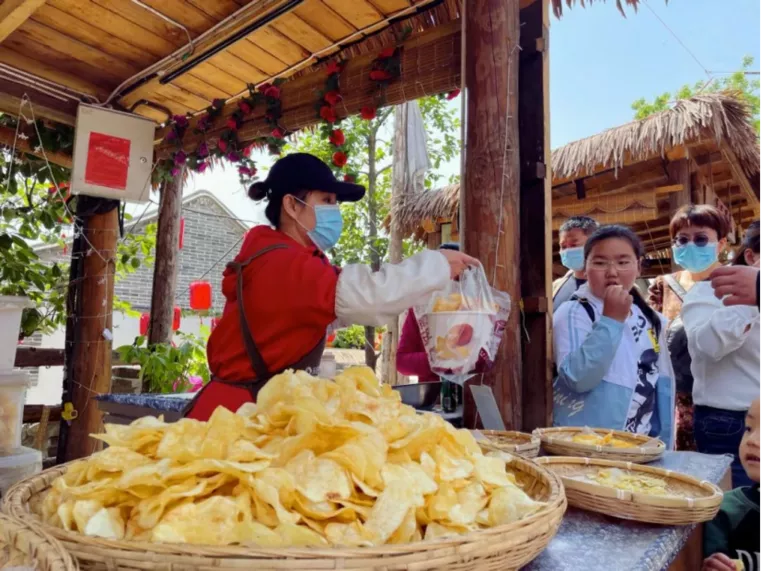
[
  {"x": 586, "y": 305},
  {"x": 257, "y": 362}
]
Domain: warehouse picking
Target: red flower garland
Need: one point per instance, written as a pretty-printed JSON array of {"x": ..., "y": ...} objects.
[
  {"x": 325, "y": 107},
  {"x": 386, "y": 68}
]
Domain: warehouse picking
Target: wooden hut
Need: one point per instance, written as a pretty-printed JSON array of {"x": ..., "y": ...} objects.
[
  {"x": 164, "y": 58},
  {"x": 703, "y": 150}
]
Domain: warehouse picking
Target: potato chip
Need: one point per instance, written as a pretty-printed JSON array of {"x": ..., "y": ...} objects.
[{"x": 313, "y": 463}]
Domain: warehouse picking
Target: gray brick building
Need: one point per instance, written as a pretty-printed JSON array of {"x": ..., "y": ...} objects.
[{"x": 212, "y": 238}]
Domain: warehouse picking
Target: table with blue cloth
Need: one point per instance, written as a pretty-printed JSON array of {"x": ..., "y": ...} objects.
[{"x": 588, "y": 541}]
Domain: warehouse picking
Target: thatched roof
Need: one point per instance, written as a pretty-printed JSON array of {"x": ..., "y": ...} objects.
[{"x": 721, "y": 118}]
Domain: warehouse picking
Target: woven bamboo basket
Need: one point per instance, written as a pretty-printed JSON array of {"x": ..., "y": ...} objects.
[
  {"x": 527, "y": 445},
  {"x": 557, "y": 441},
  {"x": 25, "y": 545},
  {"x": 497, "y": 549},
  {"x": 689, "y": 501}
]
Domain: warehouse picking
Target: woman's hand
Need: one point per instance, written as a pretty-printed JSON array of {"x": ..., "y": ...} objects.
[
  {"x": 718, "y": 562},
  {"x": 617, "y": 303},
  {"x": 458, "y": 262}
]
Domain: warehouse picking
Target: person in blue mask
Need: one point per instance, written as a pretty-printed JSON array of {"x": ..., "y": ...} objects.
[
  {"x": 698, "y": 233},
  {"x": 573, "y": 235},
  {"x": 282, "y": 293}
]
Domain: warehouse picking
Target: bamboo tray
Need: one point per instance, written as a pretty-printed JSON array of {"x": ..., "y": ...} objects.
[
  {"x": 23, "y": 545},
  {"x": 504, "y": 547},
  {"x": 557, "y": 441},
  {"x": 693, "y": 501},
  {"x": 527, "y": 445}
]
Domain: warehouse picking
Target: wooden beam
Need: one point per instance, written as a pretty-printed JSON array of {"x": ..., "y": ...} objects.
[
  {"x": 92, "y": 349},
  {"x": 491, "y": 227},
  {"x": 535, "y": 216},
  {"x": 166, "y": 264},
  {"x": 48, "y": 357},
  {"x": 8, "y": 136},
  {"x": 749, "y": 189},
  {"x": 33, "y": 413},
  {"x": 45, "y": 107},
  {"x": 13, "y": 13},
  {"x": 417, "y": 80}
]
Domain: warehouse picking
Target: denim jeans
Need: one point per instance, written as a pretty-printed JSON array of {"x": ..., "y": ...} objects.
[{"x": 719, "y": 431}]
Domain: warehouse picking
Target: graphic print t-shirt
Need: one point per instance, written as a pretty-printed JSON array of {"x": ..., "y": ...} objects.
[{"x": 642, "y": 405}]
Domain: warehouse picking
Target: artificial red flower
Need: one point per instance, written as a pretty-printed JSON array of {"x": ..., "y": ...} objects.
[
  {"x": 380, "y": 75},
  {"x": 278, "y": 133},
  {"x": 202, "y": 166},
  {"x": 339, "y": 159},
  {"x": 332, "y": 97},
  {"x": 367, "y": 113},
  {"x": 349, "y": 178},
  {"x": 272, "y": 91},
  {"x": 247, "y": 171},
  {"x": 222, "y": 145},
  {"x": 244, "y": 106},
  {"x": 232, "y": 124},
  {"x": 452, "y": 94},
  {"x": 328, "y": 113},
  {"x": 387, "y": 52},
  {"x": 247, "y": 151},
  {"x": 337, "y": 137},
  {"x": 333, "y": 67},
  {"x": 180, "y": 157}
]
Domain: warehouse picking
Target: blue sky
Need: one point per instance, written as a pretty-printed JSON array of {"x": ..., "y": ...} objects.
[{"x": 600, "y": 63}]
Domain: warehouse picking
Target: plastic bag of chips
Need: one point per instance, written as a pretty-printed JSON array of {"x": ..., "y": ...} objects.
[{"x": 457, "y": 324}]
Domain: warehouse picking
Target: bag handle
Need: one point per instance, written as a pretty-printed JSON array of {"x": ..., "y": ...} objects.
[{"x": 675, "y": 286}]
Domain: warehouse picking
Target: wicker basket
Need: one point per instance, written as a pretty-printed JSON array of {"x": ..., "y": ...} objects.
[
  {"x": 500, "y": 548},
  {"x": 23, "y": 544},
  {"x": 690, "y": 500},
  {"x": 527, "y": 445},
  {"x": 557, "y": 441}
]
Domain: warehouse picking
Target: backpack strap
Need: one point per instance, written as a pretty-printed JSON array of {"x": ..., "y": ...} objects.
[
  {"x": 675, "y": 286},
  {"x": 586, "y": 305}
]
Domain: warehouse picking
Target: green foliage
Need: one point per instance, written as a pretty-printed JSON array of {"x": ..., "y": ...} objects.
[
  {"x": 32, "y": 214},
  {"x": 352, "y": 337},
  {"x": 738, "y": 83},
  {"x": 166, "y": 368}
]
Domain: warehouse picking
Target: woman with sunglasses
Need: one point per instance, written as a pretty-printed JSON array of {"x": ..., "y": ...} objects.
[
  {"x": 614, "y": 369},
  {"x": 724, "y": 346},
  {"x": 694, "y": 229}
]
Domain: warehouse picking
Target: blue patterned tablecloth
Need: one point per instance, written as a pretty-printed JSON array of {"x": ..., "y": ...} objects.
[
  {"x": 162, "y": 403},
  {"x": 588, "y": 541}
]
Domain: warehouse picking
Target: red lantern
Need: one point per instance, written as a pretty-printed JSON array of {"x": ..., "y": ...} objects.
[
  {"x": 214, "y": 323},
  {"x": 145, "y": 320},
  {"x": 182, "y": 233},
  {"x": 200, "y": 296},
  {"x": 176, "y": 318}
]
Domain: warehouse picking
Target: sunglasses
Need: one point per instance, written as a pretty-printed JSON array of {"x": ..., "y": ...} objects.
[{"x": 700, "y": 240}]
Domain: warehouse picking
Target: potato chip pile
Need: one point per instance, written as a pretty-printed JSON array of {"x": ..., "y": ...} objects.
[
  {"x": 630, "y": 482},
  {"x": 609, "y": 439},
  {"x": 312, "y": 463}
]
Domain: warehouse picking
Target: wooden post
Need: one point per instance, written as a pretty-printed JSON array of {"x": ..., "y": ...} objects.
[
  {"x": 165, "y": 266},
  {"x": 491, "y": 202},
  {"x": 535, "y": 215},
  {"x": 91, "y": 355},
  {"x": 679, "y": 173}
]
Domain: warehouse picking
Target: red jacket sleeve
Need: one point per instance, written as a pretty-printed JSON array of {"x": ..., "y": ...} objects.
[{"x": 411, "y": 356}]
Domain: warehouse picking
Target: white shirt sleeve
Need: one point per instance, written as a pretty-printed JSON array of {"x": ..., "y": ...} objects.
[
  {"x": 713, "y": 328},
  {"x": 365, "y": 297}
]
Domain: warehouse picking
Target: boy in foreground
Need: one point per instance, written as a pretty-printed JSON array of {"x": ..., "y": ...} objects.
[{"x": 731, "y": 541}]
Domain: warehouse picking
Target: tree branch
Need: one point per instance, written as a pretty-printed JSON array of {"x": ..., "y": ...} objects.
[
  {"x": 383, "y": 169},
  {"x": 381, "y": 119}
]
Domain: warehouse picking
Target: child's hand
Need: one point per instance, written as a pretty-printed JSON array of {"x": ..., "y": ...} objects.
[
  {"x": 617, "y": 303},
  {"x": 718, "y": 562}
]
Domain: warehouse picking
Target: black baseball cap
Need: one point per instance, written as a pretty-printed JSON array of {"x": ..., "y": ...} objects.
[{"x": 302, "y": 171}]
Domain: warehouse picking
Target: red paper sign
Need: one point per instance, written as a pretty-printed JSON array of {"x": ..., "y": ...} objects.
[{"x": 107, "y": 161}]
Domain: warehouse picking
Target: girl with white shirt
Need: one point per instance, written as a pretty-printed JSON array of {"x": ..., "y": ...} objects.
[
  {"x": 724, "y": 346},
  {"x": 614, "y": 369}
]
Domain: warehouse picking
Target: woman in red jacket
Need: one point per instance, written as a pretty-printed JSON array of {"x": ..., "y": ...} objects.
[{"x": 283, "y": 294}]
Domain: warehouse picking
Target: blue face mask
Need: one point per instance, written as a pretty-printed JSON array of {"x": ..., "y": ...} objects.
[
  {"x": 573, "y": 258},
  {"x": 695, "y": 258},
  {"x": 328, "y": 225}
]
